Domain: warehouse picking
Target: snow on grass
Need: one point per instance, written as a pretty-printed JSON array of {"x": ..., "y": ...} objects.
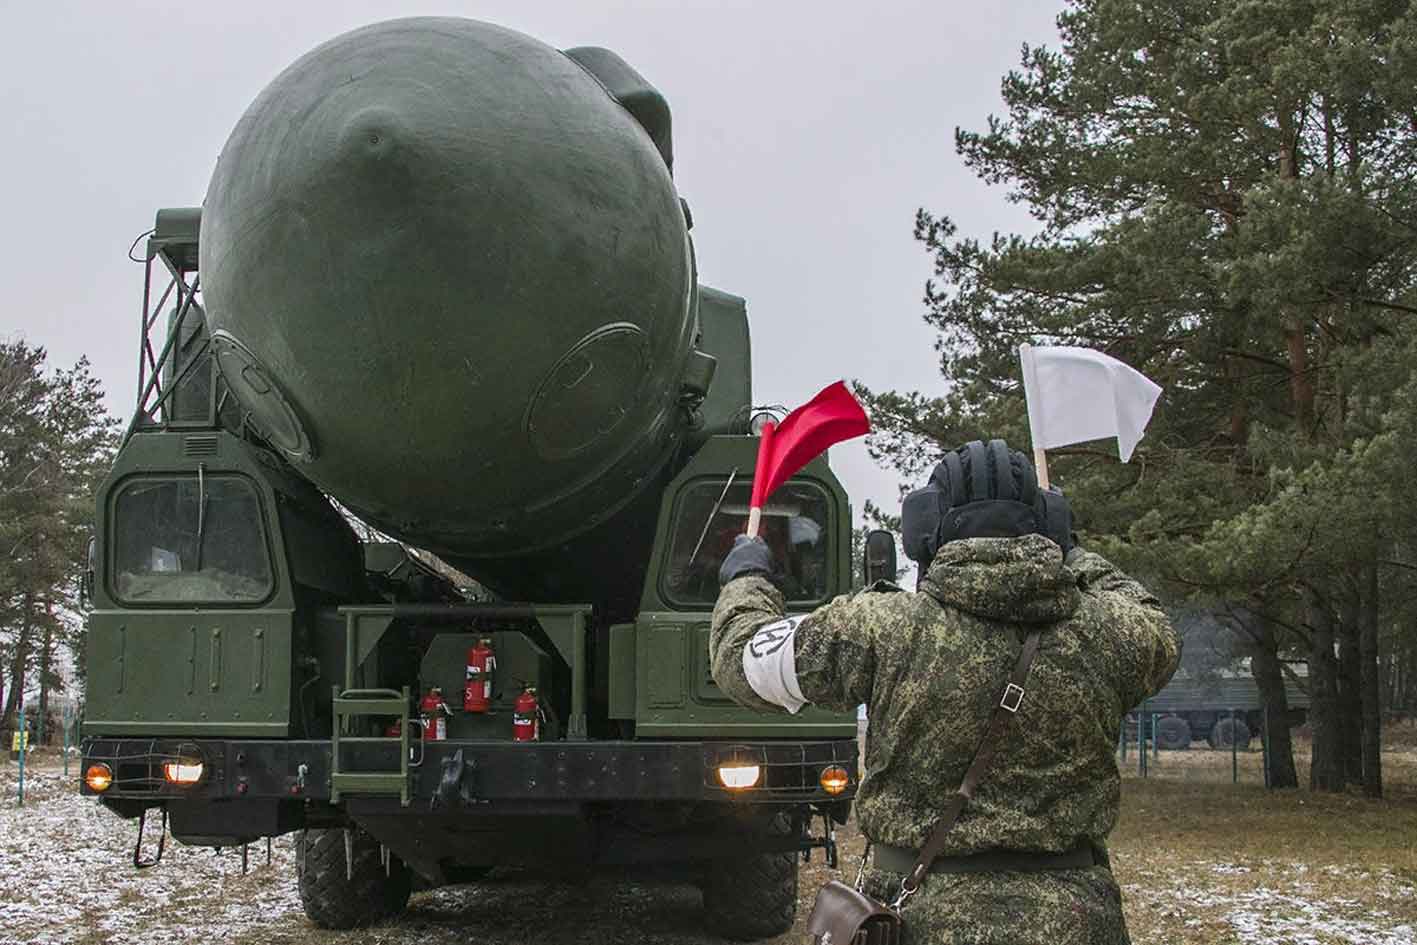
[
  {"x": 1271, "y": 902},
  {"x": 1199, "y": 864},
  {"x": 69, "y": 876}
]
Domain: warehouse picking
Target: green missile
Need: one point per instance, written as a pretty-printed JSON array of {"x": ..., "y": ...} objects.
[{"x": 448, "y": 275}]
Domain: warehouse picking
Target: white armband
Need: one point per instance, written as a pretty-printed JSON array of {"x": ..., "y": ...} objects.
[{"x": 770, "y": 664}]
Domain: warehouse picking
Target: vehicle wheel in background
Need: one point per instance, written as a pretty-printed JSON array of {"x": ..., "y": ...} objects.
[
  {"x": 1228, "y": 731},
  {"x": 1173, "y": 734},
  {"x": 336, "y": 898},
  {"x": 753, "y": 897}
]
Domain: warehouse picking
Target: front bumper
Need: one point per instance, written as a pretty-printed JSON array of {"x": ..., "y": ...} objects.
[{"x": 583, "y": 771}]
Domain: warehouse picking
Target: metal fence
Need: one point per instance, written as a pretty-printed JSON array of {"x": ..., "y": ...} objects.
[
  {"x": 1141, "y": 752},
  {"x": 34, "y": 731}
]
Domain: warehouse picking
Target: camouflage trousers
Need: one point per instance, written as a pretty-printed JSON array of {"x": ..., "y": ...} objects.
[{"x": 1056, "y": 907}]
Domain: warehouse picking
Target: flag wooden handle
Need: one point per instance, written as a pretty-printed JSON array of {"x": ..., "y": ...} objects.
[
  {"x": 760, "y": 479},
  {"x": 1040, "y": 466}
]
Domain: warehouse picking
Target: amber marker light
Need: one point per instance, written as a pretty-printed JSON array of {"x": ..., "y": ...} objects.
[
  {"x": 834, "y": 779},
  {"x": 738, "y": 777},
  {"x": 99, "y": 778},
  {"x": 182, "y": 772}
]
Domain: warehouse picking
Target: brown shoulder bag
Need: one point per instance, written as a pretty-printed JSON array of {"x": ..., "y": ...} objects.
[{"x": 844, "y": 915}]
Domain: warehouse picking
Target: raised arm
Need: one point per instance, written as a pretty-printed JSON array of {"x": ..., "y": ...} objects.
[
  {"x": 1143, "y": 646},
  {"x": 766, "y": 660}
]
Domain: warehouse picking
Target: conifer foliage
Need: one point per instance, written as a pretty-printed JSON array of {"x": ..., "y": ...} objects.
[
  {"x": 56, "y": 443},
  {"x": 1226, "y": 198}
]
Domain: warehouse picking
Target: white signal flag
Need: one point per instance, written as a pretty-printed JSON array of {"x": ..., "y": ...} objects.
[{"x": 1077, "y": 394}]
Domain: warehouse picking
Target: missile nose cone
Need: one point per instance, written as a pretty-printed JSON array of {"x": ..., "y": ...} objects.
[
  {"x": 436, "y": 249},
  {"x": 371, "y": 134}
]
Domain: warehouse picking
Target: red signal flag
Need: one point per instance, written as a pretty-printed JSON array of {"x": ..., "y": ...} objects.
[{"x": 828, "y": 418}]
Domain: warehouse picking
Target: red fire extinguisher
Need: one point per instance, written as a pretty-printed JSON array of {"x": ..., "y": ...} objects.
[
  {"x": 481, "y": 664},
  {"x": 433, "y": 716},
  {"x": 526, "y": 717}
]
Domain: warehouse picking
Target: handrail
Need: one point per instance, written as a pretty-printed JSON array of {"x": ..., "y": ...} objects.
[{"x": 371, "y": 694}]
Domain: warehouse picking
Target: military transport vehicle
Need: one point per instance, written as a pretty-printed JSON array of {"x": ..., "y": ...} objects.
[{"x": 442, "y": 285}]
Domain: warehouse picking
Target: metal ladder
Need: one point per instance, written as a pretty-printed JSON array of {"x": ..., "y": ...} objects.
[{"x": 355, "y": 703}]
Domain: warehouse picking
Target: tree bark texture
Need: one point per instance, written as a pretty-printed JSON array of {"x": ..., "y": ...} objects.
[
  {"x": 1269, "y": 679},
  {"x": 1369, "y": 677},
  {"x": 46, "y": 651},
  {"x": 1326, "y": 769},
  {"x": 17, "y": 666},
  {"x": 1350, "y": 696}
]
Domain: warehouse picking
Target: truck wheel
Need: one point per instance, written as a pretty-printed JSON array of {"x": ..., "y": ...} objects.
[
  {"x": 1228, "y": 731},
  {"x": 1173, "y": 734},
  {"x": 338, "y": 899},
  {"x": 755, "y": 897}
]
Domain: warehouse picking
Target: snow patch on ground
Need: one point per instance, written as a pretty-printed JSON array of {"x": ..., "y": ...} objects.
[
  {"x": 1285, "y": 908},
  {"x": 69, "y": 875}
]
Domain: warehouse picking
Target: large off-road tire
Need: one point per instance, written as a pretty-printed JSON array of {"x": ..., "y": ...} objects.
[
  {"x": 1228, "y": 731},
  {"x": 1173, "y": 734},
  {"x": 335, "y": 898},
  {"x": 753, "y": 897}
]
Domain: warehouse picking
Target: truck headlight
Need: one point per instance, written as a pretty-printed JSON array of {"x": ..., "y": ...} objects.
[
  {"x": 182, "y": 772},
  {"x": 739, "y": 777}
]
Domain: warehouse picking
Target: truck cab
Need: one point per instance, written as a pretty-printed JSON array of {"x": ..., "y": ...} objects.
[{"x": 260, "y": 662}]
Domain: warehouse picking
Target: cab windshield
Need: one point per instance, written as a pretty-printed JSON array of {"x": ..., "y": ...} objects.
[
  {"x": 794, "y": 526},
  {"x": 190, "y": 539}
]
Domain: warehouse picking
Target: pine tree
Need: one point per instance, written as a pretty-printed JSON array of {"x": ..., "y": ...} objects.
[
  {"x": 1225, "y": 196},
  {"x": 56, "y": 442}
]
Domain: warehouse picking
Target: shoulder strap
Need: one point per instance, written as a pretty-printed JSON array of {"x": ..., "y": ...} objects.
[{"x": 1009, "y": 701}]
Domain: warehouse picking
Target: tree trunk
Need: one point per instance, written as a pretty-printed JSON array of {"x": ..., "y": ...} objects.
[
  {"x": 1326, "y": 769},
  {"x": 1269, "y": 679},
  {"x": 1350, "y": 696},
  {"x": 46, "y": 652},
  {"x": 17, "y": 666},
  {"x": 1369, "y": 682}
]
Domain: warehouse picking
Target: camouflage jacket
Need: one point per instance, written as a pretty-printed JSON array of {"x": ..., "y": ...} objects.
[{"x": 929, "y": 666}]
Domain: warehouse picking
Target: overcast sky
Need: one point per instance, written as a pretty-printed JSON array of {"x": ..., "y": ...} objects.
[{"x": 806, "y": 135}]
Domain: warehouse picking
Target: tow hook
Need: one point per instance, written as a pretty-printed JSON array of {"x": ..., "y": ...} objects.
[
  {"x": 138, "y": 861},
  {"x": 452, "y": 785},
  {"x": 827, "y": 841}
]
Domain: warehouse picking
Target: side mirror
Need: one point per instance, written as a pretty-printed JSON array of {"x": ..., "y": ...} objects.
[
  {"x": 880, "y": 564},
  {"x": 86, "y": 583}
]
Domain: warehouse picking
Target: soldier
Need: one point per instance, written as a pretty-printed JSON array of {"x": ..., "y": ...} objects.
[{"x": 1026, "y": 862}]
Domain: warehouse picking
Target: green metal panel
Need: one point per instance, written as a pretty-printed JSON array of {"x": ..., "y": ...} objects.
[
  {"x": 723, "y": 319},
  {"x": 621, "y": 677},
  {"x": 678, "y": 697},
  {"x": 198, "y": 672},
  {"x": 662, "y": 662}
]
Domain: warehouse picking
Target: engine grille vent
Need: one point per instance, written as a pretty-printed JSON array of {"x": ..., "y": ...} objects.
[{"x": 199, "y": 444}]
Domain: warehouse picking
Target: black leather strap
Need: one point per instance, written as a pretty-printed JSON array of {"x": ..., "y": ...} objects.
[
  {"x": 903, "y": 859},
  {"x": 1004, "y": 709}
]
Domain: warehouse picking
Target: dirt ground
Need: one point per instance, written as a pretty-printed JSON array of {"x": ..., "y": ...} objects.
[{"x": 1200, "y": 861}]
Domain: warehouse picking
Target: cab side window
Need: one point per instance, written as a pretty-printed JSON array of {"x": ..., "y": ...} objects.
[{"x": 794, "y": 525}]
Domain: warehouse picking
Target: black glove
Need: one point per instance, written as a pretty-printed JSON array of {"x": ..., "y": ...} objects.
[
  {"x": 1055, "y": 518},
  {"x": 749, "y": 556}
]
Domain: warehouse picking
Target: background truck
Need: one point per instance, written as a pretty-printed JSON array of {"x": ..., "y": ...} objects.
[
  {"x": 442, "y": 283},
  {"x": 1221, "y": 707}
]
